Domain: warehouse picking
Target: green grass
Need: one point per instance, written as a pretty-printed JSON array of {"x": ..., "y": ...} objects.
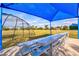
[{"x": 18, "y": 38}]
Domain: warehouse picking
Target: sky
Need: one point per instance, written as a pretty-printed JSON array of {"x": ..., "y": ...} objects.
[{"x": 38, "y": 21}]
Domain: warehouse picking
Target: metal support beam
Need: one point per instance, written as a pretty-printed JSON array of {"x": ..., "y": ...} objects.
[
  {"x": 5, "y": 21},
  {"x": 1, "y": 31},
  {"x": 29, "y": 31},
  {"x": 23, "y": 27},
  {"x": 14, "y": 29},
  {"x": 78, "y": 22},
  {"x": 50, "y": 40}
]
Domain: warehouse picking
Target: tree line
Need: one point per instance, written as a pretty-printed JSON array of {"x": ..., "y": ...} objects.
[{"x": 46, "y": 27}]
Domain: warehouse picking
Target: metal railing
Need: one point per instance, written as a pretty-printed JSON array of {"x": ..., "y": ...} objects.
[{"x": 37, "y": 47}]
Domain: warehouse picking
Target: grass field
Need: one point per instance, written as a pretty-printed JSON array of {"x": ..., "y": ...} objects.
[{"x": 9, "y": 39}]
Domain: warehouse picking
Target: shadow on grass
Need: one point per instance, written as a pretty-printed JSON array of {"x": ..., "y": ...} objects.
[
  {"x": 36, "y": 37},
  {"x": 14, "y": 42}
]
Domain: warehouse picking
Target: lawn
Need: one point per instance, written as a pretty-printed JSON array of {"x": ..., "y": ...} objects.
[{"x": 10, "y": 40}]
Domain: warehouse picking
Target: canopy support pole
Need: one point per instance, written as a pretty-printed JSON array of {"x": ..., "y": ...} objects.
[
  {"x": 50, "y": 40},
  {"x": 50, "y": 29},
  {"x": 78, "y": 28},
  {"x": 78, "y": 21}
]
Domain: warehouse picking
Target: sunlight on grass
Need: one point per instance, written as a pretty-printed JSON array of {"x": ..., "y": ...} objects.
[{"x": 18, "y": 38}]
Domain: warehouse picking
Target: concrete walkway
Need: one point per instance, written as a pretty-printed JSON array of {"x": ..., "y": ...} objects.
[{"x": 71, "y": 48}]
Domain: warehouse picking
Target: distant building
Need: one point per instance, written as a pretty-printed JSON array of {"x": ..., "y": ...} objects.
[{"x": 73, "y": 27}]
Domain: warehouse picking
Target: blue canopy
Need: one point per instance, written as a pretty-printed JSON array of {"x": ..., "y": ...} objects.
[{"x": 48, "y": 11}]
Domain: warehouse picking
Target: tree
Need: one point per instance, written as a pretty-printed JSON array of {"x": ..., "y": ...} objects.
[
  {"x": 40, "y": 28},
  {"x": 46, "y": 27},
  {"x": 73, "y": 27},
  {"x": 35, "y": 27},
  {"x": 58, "y": 28},
  {"x": 53, "y": 28},
  {"x": 65, "y": 27},
  {"x": 32, "y": 27},
  {"x": 6, "y": 28}
]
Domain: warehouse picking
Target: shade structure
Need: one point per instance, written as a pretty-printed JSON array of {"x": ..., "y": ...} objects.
[{"x": 48, "y": 11}]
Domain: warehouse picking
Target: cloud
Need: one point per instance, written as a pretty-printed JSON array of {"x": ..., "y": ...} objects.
[{"x": 70, "y": 21}]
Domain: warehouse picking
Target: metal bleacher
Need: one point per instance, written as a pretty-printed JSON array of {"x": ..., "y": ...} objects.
[{"x": 38, "y": 46}]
